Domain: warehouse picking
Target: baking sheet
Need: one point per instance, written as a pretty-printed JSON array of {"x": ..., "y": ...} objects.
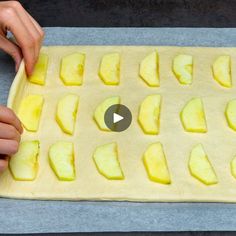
[
  {"x": 219, "y": 141},
  {"x": 24, "y": 216}
]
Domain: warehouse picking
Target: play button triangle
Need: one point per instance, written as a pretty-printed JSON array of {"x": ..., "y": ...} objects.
[{"x": 117, "y": 118}]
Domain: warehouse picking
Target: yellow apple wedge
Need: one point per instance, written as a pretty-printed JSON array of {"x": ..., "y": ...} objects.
[
  {"x": 200, "y": 167},
  {"x": 109, "y": 70},
  {"x": 40, "y": 70},
  {"x": 149, "y": 70},
  {"x": 72, "y": 69},
  {"x": 183, "y": 68},
  {"x": 230, "y": 113},
  {"x": 67, "y": 108},
  {"x": 30, "y": 111},
  {"x": 155, "y": 163},
  {"x": 24, "y": 164},
  {"x": 193, "y": 116},
  {"x": 149, "y": 114},
  {"x": 222, "y": 70},
  {"x": 107, "y": 162},
  {"x": 101, "y": 109},
  {"x": 61, "y": 158},
  {"x": 233, "y": 167}
]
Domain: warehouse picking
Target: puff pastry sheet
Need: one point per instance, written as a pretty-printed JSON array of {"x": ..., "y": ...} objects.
[{"x": 219, "y": 142}]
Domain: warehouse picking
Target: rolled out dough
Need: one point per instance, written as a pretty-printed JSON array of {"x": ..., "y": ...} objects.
[{"x": 219, "y": 142}]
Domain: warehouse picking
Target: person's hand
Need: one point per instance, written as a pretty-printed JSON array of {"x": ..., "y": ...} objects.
[
  {"x": 10, "y": 135},
  {"x": 27, "y": 32}
]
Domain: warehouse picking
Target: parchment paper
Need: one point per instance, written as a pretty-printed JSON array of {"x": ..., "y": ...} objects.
[
  {"x": 25, "y": 216},
  {"x": 219, "y": 142}
]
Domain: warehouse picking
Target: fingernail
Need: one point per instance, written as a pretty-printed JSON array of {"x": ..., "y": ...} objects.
[{"x": 28, "y": 72}]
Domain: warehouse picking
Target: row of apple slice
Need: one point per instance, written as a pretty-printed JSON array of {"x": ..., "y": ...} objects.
[
  {"x": 71, "y": 72},
  {"x": 183, "y": 69},
  {"x": 31, "y": 108},
  {"x": 148, "y": 115},
  {"x": 192, "y": 115},
  {"x": 24, "y": 164},
  {"x": 72, "y": 69}
]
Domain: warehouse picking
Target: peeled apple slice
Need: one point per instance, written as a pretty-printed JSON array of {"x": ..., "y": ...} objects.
[
  {"x": 61, "y": 157},
  {"x": 107, "y": 163},
  {"x": 101, "y": 109},
  {"x": 200, "y": 167},
  {"x": 72, "y": 69},
  {"x": 149, "y": 114},
  {"x": 24, "y": 164},
  {"x": 110, "y": 69},
  {"x": 183, "y": 68},
  {"x": 155, "y": 163},
  {"x": 222, "y": 71},
  {"x": 30, "y": 111},
  {"x": 230, "y": 114},
  {"x": 40, "y": 70},
  {"x": 149, "y": 70},
  {"x": 67, "y": 108},
  {"x": 193, "y": 116}
]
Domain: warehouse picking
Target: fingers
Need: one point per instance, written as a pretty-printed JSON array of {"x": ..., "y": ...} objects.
[
  {"x": 8, "y": 147},
  {"x": 14, "y": 24},
  {"x": 27, "y": 21},
  {"x": 40, "y": 30},
  {"x": 9, "y": 132},
  {"x": 12, "y": 49},
  {"x": 25, "y": 41},
  {"x": 27, "y": 32},
  {"x": 8, "y": 116},
  {"x": 10, "y": 135}
]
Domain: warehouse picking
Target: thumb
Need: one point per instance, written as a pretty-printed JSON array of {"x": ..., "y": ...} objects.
[{"x": 12, "y": 49}]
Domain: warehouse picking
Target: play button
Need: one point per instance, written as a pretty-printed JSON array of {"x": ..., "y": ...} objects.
[{"x": 118, "y": 118}]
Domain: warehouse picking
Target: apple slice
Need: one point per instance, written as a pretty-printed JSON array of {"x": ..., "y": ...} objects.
[
  {"x": 193, "y": 116},
  {"x": 109, "y": 70},
  {"x": 155, "y": 163},
  {"x": 101, "y": 109},
  {"x": 222, "y": 71},
  {"x": 40, "y": 70},
  {"x": 30, "y": 111},
  {"x": 24, "y": 164},
  {"x": 183, "y": 68},
  {"x": 233, "y": 167},
  {"x": 72, "y": 69},
  {"x": 67, "y": 108},
  {"x": 61, "y": 158},
  {"x": 149, "y": 69},
  {"x": 107, "y": 163},
  {"x": 230, "y": 114},
  {"x": 149, "y": 114},
  {"x": 200, "y": 167}
]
